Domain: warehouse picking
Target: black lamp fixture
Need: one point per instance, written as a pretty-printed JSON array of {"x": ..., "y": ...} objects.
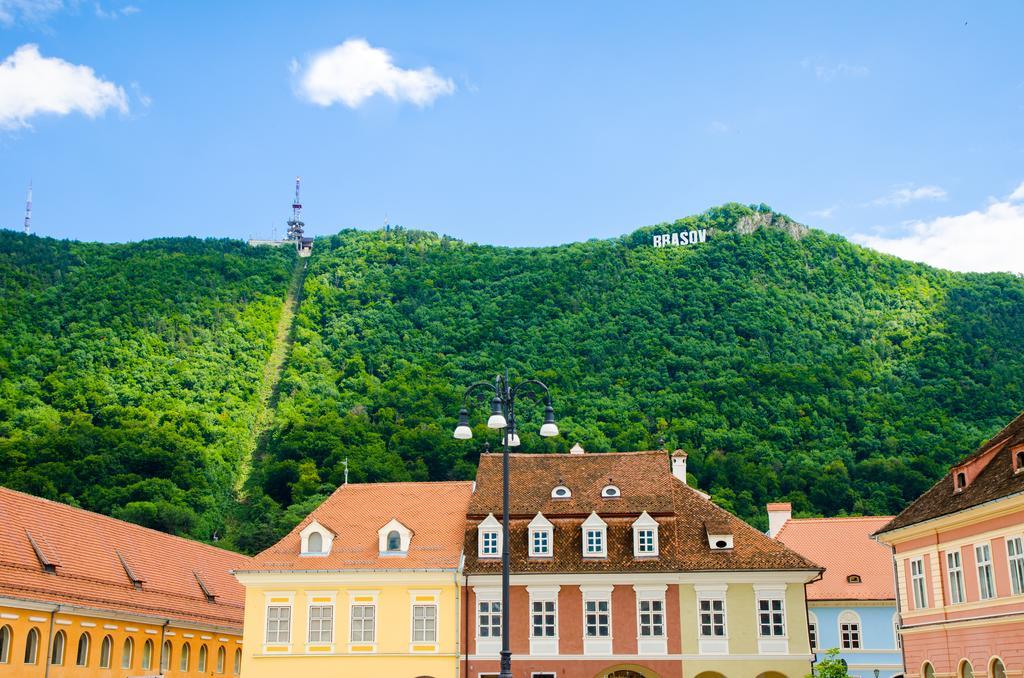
[{"x": 503, "y": 417}]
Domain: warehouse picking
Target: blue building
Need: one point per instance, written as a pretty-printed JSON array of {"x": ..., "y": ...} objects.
[{"x": 853, "y": 606}]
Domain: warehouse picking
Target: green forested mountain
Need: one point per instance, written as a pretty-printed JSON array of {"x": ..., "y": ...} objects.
[
  {"x": 789, "y": 363},
  {"x": 129, "y": 373}
]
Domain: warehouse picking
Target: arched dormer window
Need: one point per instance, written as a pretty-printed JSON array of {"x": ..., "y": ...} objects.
[
  {"x": 849, "y": 630},
  {"x": 961, "y": 481},
  {"x": 611, "y": 492},
  {"x": 394, "y": 538},
  {"x": 315, "y": 540},
  {"x": 561, "y": 492},
  {"x": 1018, "y": 465}
]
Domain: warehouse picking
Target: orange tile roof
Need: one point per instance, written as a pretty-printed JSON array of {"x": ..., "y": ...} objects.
[
  {"x": 85, "y": 549},
  {"x": 435, "y": 512},
  {"x": 844, "y": 547}
]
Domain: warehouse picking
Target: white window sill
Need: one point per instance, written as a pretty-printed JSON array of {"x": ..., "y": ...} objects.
[
  {"x": 652, "y": 645},
  {"x": 546, "y": 646},
  {"x": 597, "y": 646},
  {"x": 713, "y": 645}
]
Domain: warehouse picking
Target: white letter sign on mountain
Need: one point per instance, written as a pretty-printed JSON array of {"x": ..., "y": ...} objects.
[{"x": 681, "y": 238}]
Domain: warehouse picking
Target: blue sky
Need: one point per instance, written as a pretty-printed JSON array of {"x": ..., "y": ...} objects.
[{"x": 899, "y": 125}]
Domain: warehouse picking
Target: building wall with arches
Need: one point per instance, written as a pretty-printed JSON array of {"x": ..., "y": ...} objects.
[{"x": 55, "y": 625}]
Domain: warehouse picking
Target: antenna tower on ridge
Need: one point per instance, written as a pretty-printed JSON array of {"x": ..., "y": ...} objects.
[
  {"x": 295, "y": 225},
  {"x": 28, "y": 210}
]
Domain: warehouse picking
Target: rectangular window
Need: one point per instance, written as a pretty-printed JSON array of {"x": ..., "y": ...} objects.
[
  {"x": 363, "y": 623},
  {"x": 489, "y": 619},
  {"x": 424, "y": 623},
  {"x": 955, "y": 572},
  {"x": 849, "y": 635},
  {"x": 712, "y": 617},
  {"x": 652, "y": 618},
  {"x": 321, "y": 623},
  {"x": 597, "y": 618},
  {"x": 771, "y": 619},
  {"x": 645, "y": 542},
  {"x": 490, "y": 547},
  {"x": 812, "y": 634},
  {"x": 595, "y": 542},
  {"x": 542, "y": 618},
  {"x": 1015, "y": 552},
  {"x": 917, "y": 582},
  {"x": 541, "y": 543},
  {"x": 986, "y": 584},
  {"x": 279, "y": 624}
]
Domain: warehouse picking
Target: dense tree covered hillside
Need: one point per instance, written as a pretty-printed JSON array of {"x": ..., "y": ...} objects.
[
  {"x": 790, "y": 364},
  {"x": 129, "y": 373}
]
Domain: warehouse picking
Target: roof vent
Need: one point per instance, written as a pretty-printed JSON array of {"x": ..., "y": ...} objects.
[
  {"x": 561, "y": 492},
  {"x": 853, "y": 579},
  {"x": 611, "y": 491},
  {"x": 48, "y": 562},
  {"x": 577, "y": 449},
  {"x": 210, "y": 596},
  {"x": 719, "y": 534},
  {"x": 135, "y": 579}
]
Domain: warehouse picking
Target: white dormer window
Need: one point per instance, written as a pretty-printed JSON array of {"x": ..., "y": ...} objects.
[
  {"x": 394, "y": 538},
  {"x": 719, "y": 536},
  {"x": 541, "y": 535},
  {"x": 611, "y": 492},
  {"x": 489, "y": 537},
  {"x": 645, "y": 536},
  {"x": 561, "y": 492},
  {"x": 595, "y": 537},
  {"x": 315, "y": 540}
]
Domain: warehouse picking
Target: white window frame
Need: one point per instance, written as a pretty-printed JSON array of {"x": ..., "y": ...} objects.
[
  {"x": 326, "y": 535},
  {"x": 278, "y": 599},
  {"x": 773, "y": 643},
  {"x": 543, "y": 645},
  {"x": 955, "y": 575},
  {"x": 712, "y": 645},
  {"x": 597, "y": 645},
  {"x": 812, "y": 631},
  {"x": 986, "y": 572},
  {"x": 489, "y": 526},
  {"x": 594, "y": 525},
  {"x": 651, "y": 594},
  {"x": 404, "y": 538},
  {"x": 321, "y": 599},
  {"x": 918, "y": 586},
  {"x": 1015, "y": 560},
  {"x": 419, "y": 598},
  {"x": 489, "y": 644},
  {"x": 645, "y": 523},
  {"x": 855, "y": 630},
  {"x": 541, "y": 527},
  {"x": 363, "y": 599}
]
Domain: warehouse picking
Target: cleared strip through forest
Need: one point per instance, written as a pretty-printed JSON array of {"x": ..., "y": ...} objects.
[{"x": 272, "y": 374}]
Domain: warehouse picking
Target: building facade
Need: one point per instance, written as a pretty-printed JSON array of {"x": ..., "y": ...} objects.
[
  {"x": 83, "y": 596},
  {"x": 959, "y": 566},
  {"x": 366, "y": 585},
  {"x": 621, "y": 570},
  {"x": 853, "y": 606}
]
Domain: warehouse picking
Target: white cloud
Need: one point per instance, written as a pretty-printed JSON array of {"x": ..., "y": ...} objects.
[
  {"x": 904, "y": 194},
  {"x": 986, "y": 240},
  {"x": 27, "y": 10},
  {"x": 829, "y": 72},
  {"x": 115, "y": 13},
  {"x": 31, "y": 84},
  {"x": 825, "y": 213},
  {"x": 718, "y": 127},
  {"x": 354, "y": 71}
]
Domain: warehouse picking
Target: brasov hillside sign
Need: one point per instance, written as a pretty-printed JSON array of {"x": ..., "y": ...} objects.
[{"x": 681, "y": 238}]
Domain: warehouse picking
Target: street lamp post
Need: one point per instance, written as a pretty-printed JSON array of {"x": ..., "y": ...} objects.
[{"x": 503, "y": 416}]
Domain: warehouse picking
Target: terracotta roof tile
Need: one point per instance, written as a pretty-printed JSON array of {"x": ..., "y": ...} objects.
[
  {"x": 435, "y": 512},
  {"x": 829, "y": 542},
  {"x": 84, "y": 547},
  {"x": 995, "y": 481},
  {"x": 647, "y": 484}
]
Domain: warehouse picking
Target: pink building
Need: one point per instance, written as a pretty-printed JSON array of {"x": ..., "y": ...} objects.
[{"x": 959, "y": 561}]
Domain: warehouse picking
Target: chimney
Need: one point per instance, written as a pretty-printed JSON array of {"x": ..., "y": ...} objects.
[
  {"x": 577, "y": 449},
  {"x": 778, "y": 514},
  {"x": 679, "y": 465}
]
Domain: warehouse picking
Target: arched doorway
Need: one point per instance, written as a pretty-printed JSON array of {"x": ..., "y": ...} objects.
[
  {"x": 771, "y": 674},
  {"x": 709, "y": 674},
  {"x": 627, "y": 671}
]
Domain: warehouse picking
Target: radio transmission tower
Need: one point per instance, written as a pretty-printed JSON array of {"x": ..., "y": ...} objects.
[
  {"x": 295, "y": 225},
  {"x": 28, "y": 210}
]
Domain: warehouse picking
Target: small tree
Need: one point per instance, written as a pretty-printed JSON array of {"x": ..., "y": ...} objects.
[{"x": 830, "y": 667}]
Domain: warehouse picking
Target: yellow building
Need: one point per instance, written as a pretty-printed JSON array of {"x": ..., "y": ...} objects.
[
  {"x": 83, "y": 595},
  {"x": 367, "y": 585}
]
